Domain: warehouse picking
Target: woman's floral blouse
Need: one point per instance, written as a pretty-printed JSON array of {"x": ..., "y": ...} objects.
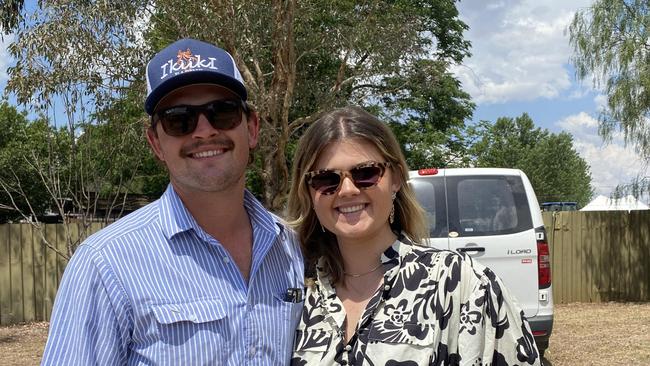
[{"x": 435, "y": 308}]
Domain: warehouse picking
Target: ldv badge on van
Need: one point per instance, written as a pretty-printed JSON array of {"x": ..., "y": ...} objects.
[{"x": 492, "y": 214}]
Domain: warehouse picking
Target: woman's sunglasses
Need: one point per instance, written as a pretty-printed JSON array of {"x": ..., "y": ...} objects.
[
  {"x": 181, "y": 120},
  {"x": 364, "y": 176}
]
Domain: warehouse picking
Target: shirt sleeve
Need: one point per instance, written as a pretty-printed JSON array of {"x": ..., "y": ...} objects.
[
  {"x": 492, "y": 328},
  {"x": 89, "y": 324}
]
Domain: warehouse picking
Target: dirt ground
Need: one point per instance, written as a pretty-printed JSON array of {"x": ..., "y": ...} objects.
[
  {"x": 600, "y": 334},
  {"x": 583, "y": 334},
  {"x": 22, "y": 344}
]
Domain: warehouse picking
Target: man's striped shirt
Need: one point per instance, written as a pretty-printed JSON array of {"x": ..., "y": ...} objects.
[{"x": 155, "y": 289}]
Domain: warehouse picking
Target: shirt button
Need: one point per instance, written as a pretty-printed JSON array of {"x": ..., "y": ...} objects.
[
  {"x": 226, "y": 260},
  {"x": 251, "y": 351},
  {"x": 348, "y": 348},
  {"x": 386, "y": 287}
]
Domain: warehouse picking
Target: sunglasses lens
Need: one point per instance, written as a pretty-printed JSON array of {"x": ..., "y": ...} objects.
[
  {"x": 223, "y": 114},
  {"x": 367, "y": 176},
  {"x": 182, "y": 120},
  {"x": 363, "y": 177},
  {"x": 325, "y": 182},
  {"x": 178, "y": 121}
]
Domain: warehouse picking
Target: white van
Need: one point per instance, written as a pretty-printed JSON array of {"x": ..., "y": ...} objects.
[{"x": 492, "y": 214}]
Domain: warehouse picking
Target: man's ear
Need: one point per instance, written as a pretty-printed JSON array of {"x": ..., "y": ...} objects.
[
  {"x": 154, "y": 143},
  {"x": 253, "y": 129}
]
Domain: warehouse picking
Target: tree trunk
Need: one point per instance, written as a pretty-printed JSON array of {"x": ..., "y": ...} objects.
[{"x": 275, "y": 176}]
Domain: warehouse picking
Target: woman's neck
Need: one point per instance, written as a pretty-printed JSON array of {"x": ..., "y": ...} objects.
[{"x": 362, "y": 256}]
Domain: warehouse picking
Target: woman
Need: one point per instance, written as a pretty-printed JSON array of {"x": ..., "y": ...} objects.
[{"x": 379, "y": 298}]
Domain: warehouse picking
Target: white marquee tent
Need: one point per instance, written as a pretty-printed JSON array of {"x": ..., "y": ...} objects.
[{"x": 602, "y": 203}]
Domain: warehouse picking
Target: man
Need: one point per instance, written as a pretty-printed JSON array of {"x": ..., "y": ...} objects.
[{"x": 204, "y": 275}]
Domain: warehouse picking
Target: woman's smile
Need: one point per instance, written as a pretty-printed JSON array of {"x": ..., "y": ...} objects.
[{"x": 351, "y": 209}]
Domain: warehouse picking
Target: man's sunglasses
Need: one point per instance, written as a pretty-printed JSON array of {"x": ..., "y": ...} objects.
[
  {"x": 364, "y": 176},
  {"x": 181, "y": 120}
]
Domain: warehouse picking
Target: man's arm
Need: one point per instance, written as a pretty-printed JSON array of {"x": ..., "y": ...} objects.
[{"x": 91, "y": 316}]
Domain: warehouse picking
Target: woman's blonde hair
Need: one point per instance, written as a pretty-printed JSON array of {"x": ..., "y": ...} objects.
[{"x": 340, "y": 124}]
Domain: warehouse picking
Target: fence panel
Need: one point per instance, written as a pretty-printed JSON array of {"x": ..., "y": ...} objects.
[
  {"x": 39, "y": 276},
  {"x": 16, "y": 274},
  {"x": 30, "y": 271},
  {"x": 600, "y": 256},
  {"x": 5, "y": 276},
  {"x": 595, "y": 257}
]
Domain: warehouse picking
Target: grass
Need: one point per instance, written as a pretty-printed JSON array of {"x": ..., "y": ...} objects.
[{"x": 583, "y": 334}]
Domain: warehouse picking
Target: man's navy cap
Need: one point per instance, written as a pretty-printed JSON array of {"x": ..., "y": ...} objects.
[{"x": 186, "y": 62}]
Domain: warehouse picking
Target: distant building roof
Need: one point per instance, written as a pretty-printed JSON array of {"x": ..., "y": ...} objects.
[{"x": 603, "y": 203}]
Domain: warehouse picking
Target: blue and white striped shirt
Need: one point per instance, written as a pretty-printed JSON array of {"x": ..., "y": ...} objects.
[{"x": 155, "y": 289}]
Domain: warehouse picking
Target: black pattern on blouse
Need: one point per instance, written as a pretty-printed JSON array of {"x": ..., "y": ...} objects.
[{"x": 436, "y": 307}]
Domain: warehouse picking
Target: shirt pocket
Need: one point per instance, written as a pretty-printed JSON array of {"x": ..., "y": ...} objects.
[
  {"x": 192, "y": 325},
  {"x": 405, "y": 342},
  {"x": 291, "y": 312},
  {"x": 196, "y": 312}
]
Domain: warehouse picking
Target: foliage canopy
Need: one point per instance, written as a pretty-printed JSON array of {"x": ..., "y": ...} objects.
[
  {"x": 611, "y": 43},
  {"x": 554, "y": 168},
  {"x": 298, "y": 59}
]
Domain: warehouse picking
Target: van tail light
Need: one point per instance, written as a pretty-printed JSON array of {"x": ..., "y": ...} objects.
[
  {"x": 543, "y": 259},
  {"x": 428, "y": 171}
]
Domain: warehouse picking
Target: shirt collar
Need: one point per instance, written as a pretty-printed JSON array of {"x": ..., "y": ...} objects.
[{"x": 175, "y": 218}]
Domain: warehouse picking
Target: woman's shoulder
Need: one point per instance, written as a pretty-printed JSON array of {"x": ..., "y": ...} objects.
[
  {"x": 431, "y": 255},
  {"x": 445, "y": 263}
]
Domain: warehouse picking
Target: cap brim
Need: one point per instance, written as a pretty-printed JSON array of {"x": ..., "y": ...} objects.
[{"x": 190, "y": 78}]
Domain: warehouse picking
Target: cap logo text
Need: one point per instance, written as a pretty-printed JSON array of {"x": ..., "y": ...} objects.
[{"x": 186, "y": 61}]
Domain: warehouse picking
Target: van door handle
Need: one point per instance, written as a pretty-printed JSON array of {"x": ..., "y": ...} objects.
[{"x": 471, "y": 249}]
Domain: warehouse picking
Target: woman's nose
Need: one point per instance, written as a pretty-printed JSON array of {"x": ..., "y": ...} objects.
[{"x": 347, "y": 186}]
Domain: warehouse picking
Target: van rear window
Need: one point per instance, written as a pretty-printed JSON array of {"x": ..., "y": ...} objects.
[
  {"x": 474, "y": 205},
  {"x": 488, "y": 205}
]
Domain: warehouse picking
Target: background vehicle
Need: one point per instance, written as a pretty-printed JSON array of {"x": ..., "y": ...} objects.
[
  {"x": 559, "y": 206},
  {"x": 493, "y": 215}
]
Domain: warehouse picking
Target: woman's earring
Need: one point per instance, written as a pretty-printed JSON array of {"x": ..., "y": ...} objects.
[
  {"x": 322, "y": 228},
  {"x": 391, "y": 217}
]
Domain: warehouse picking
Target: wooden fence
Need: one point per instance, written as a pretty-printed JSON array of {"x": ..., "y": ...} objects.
[
  {"x": 599, "y": 256},
  {"x": 595, "y": 257},
  {"x": 30, "y": 271}
]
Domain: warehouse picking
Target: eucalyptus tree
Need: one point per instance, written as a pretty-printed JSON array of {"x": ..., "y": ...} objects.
[
  {"x": 68, "y": 70},
  {"x": 32, "y": 169},
  {"x": 18, "y": 181},
  {"x": 10, "y": 12},
  {"x": 611, "y": 43},
  {"x": 298, "y": 58}
]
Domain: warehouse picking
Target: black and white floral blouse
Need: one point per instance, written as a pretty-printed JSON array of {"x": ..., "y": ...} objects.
[{"x": 436, "y": 308}]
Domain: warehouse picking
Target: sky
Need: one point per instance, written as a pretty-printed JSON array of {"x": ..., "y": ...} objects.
[
  {"x": 5, "y": 60},
  {"x": 521, "y": 63}
]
